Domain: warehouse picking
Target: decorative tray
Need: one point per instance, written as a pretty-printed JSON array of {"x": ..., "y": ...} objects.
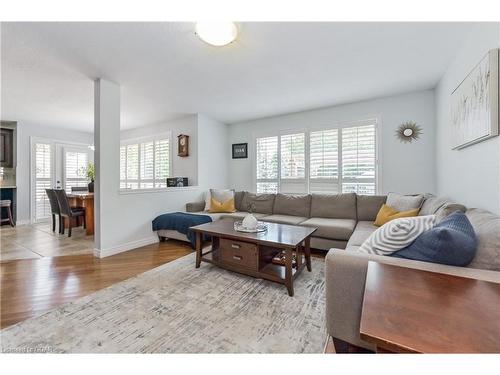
[{"x": 261, "y": 227}]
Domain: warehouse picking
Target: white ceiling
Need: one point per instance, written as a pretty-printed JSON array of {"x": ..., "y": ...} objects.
[{"x": 165, "y": 71}]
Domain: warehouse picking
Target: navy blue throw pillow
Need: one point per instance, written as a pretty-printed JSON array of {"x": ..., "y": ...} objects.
[{"x": 451, "y": 242}]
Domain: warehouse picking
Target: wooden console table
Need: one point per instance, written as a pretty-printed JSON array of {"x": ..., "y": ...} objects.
[{"x": 413, "y": 311}]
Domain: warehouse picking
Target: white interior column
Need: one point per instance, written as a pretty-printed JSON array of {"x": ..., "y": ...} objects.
[{"x": 107, "y": 161}]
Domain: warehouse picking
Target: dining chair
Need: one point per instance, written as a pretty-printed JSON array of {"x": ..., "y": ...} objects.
[
  {"x": 67, "y": 211},
  {"x": 54, "y": 208}
]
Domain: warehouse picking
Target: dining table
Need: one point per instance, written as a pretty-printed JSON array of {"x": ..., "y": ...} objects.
[{"x": 86, "y": 200}]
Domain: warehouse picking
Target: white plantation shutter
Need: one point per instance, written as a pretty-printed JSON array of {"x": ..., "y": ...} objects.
[
  {"x": 338, "y": 160},
  {"x": 75, "y": 168},
  {"x": 43, "y": 179},
  {"x": 146, "y": 164},
  {"x": 162, "y": 162},
  {"x": 324, "y": 161},
  {"x": 293, "y": 163},
  {"x": 358, "y": 159},
  {"x": 123, "y": 167},
  {"x": 132, "y": 166},
  {"x": 267, "y": 164}
]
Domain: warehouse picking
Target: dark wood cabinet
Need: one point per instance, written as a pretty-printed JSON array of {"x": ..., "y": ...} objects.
[{"x": 6, "y": 148}]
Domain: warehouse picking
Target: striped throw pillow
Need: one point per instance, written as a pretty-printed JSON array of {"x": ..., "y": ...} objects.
[{"x": 397, "y": 234}]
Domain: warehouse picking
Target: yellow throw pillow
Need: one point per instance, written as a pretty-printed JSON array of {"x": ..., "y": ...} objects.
[
  {"x": 387, "y": 213},
  {"x": 227, "y": 206}
]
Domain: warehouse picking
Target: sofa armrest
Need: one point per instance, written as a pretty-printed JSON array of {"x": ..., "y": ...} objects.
[
  {"x": 345, "y": 288},
  {"x": 195, "y": 206}
]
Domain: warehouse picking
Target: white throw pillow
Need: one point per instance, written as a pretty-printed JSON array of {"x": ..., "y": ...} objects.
[
  {"x": 397, "y": 234},
  {"x": 401, "y": 202},
  {"x": 220, "y": 195}
]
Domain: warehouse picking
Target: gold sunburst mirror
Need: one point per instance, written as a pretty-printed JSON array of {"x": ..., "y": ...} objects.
[{"x": 408, "y": 132}]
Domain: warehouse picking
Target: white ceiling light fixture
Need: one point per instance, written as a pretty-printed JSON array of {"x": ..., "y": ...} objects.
[{"x": 217, "y": 33}]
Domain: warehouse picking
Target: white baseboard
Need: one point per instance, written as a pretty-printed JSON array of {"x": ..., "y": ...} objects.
[{"x": 102, "y": 253}]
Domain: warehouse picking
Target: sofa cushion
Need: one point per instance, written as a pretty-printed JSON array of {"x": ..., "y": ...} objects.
[
  {"x": 368, "y": 206},
  {"x": 238, "y": 199},
  {"x": 487, "y": 228},
  {"x": 327, "y": 243},
  {"x": 431, "y": 204},
  {"x": 262, "y": 203},
  {"x": 452, "y": 242},
  {"x": 339, "y": 229},
  {"x": 440, "y": 206},
  {"x": 334, "y": 206},
  {"x": 397, "y": 234},
  {"x": 362, "y": 231},
  {"x": 403, "y": 202},
  {"x": 294, "y": 205},
  {"x": 284, "y": 219},
  {"x": 241, "y": 215}
]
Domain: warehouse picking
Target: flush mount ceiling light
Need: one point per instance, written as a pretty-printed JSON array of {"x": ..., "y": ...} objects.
[{"x": 217, "y": 33}]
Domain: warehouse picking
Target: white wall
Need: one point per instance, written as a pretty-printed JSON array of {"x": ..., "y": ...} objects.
[
  {"x": 181, "y": 166},
  {"x": 405, "y": 168},
  {"x": 471, "y": 175},
  {"x": 125, "y": 218},
  {"x": 214, "y": 153},
  {"x": 23, "y": 174}
]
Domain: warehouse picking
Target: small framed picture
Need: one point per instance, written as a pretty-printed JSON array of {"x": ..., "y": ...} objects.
[{"x": 240, "y": 150}]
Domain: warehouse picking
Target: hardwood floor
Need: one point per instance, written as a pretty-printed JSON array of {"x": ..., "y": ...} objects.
[{"x": 30, "y": 287}]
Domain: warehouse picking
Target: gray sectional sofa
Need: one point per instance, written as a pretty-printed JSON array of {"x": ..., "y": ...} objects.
[
  {"x": 342, "y": 219},
  {"x": 344, "y": 222}
]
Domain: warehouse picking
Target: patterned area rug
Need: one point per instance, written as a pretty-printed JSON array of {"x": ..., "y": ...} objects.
[{"x": 176, "y": 308}]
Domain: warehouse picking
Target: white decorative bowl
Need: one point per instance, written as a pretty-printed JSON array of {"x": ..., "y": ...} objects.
[{"x": 261, "y": 227}]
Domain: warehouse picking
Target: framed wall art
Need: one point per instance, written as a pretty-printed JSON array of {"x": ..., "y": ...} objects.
[
  {"x": 474, "y": 104},
  {"x": 240, "y": 150}
]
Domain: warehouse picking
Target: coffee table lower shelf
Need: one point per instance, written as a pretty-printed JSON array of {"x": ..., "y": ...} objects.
[
  {"x": 268, "y": 271},
  {"x": 263, "y": 267}
]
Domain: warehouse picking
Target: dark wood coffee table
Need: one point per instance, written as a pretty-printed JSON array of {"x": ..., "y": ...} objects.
[
  {"x": 252, "y": 253},
  {"x": 413, "y": 311}
]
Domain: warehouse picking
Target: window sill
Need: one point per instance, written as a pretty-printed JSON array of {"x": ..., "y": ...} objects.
[{"x": 158, "y": 190}]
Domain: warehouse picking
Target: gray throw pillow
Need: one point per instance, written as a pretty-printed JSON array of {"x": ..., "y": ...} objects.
[
  {"x": 447, "y": 209},
  {"x": 401, "y": 202}
]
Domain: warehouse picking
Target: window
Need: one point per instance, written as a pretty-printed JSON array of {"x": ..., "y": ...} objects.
[
  {"x": 75, "y": 168},
  {"x": 145, "y": 164},
  {"x": 334, "y": 161},
  {"x": 43, "y": 156}
]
